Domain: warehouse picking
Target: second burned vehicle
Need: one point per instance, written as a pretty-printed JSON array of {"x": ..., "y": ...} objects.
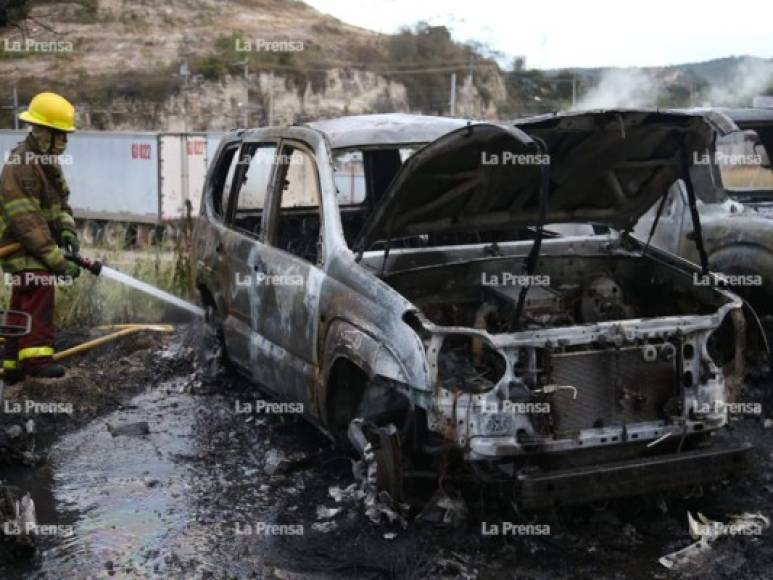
[
  {"x": 397, "y": 272},
  {"x": 735, "y": 201}
]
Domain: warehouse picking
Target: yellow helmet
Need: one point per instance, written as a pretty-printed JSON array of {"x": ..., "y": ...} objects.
[{"x": 50, "y": 110}]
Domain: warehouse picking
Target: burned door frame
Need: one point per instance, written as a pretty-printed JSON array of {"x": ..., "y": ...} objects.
[
  {"x": 288, "y": 348},
  {"x": 242, "y": 253}
]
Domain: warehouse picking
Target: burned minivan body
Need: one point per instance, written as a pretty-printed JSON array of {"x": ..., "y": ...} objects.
[{"x": 401, "y": 271}]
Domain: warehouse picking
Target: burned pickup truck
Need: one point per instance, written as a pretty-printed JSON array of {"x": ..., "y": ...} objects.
[{"x": 399, "y": 272}]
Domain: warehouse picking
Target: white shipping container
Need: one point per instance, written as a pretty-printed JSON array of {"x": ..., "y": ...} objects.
[
  {"x": 183, "y": 166},
  {"x": 112, "y": 176},
  {"x": 137, "y": 177}
]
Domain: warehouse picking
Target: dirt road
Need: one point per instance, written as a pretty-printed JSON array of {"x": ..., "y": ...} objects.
[{"x": 165, "y": 470}]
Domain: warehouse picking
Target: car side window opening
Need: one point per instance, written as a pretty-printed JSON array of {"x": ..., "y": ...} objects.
[
  {"x": 298, "y": 220},
  {"x": 361, "y": 178},
  {"x": 223, "y": 180},
  {"x": 744, "y": 162},
  {"x": 256, "y": 163}
]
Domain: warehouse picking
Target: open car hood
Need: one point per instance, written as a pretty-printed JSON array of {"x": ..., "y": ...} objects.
[
  {"x": 453, "y": 184},
  {"x": 605, "y": 167}
]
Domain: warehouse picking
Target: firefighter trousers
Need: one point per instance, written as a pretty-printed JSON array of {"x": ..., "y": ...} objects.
[{"x": 32, "y": 291}]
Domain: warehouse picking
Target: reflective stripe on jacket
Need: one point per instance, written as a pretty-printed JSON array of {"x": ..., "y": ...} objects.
[{"x": 34, "y": 209}]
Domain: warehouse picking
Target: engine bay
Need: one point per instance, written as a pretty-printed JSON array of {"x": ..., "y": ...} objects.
[{"x": 564, "y": 292}]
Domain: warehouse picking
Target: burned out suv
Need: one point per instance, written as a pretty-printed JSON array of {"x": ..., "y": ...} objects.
[{"x": 403, "y": 272}]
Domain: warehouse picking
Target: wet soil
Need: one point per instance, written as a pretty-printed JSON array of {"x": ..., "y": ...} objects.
[{"x": 162, "y": 471}]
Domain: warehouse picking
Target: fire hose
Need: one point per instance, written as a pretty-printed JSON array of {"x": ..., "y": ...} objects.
[{"x": 93, "y": 266}]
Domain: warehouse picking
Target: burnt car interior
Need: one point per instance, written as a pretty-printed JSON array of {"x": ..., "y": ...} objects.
[
  {"x": 240, "y": 185},
  {"x": 298, "y": 220}
]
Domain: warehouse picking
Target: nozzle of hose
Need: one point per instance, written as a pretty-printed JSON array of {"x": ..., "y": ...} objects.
[{"x": 93, "y": 266}]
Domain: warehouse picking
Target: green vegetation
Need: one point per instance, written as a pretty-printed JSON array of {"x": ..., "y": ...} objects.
[
  {"x": 231, "y": 52},
  {"x": 429, "y": 56},
  {"x": 13, "y": 11}
]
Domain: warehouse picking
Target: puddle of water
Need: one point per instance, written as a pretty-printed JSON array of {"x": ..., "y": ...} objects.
[
  {"x": 162, "y": 505},
  {"x": 129, "y": 493}
]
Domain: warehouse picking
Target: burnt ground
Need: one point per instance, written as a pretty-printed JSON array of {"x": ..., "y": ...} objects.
[{"x": 189, "y": 498}]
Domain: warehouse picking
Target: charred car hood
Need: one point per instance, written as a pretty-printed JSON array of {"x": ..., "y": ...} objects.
[
  {"x": 610, "y": 167},
  {"x": 605, "y": 167},
  {"x": 457, "y": 183}
]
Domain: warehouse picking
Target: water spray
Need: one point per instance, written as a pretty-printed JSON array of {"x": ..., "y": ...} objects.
[{"x": 99, "y": 269}]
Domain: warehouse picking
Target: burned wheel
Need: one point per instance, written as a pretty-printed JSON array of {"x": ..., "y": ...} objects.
[
  {"x": 389, "y": 463},
  {"x": 380, "y": 447}
]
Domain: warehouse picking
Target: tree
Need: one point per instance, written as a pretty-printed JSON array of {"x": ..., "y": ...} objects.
[{"x": 12, "y": 12}]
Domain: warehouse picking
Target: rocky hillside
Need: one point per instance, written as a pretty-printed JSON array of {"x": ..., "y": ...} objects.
[
  {"x": 216, "y": 64},
  {"x": 220, "y": 64}
]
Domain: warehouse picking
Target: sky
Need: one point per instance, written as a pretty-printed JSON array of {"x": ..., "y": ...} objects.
[{"x": 558, "y": 34}]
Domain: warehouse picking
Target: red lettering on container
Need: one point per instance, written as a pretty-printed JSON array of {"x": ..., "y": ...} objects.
[
  {"x": 195, "y": 147},
  {"x": 140, "y": 150}
]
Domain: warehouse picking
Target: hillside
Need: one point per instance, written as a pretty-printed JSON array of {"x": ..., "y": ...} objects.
[{"x": 211, "y": 65}]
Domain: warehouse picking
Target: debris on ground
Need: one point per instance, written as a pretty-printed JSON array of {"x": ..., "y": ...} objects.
[
  {"x": 18, "y": 523},
  {"x": 444, "y": 509},
  {"x": 324, "y": 527},
  {"x": 325, "y": 513},
  {"x": 137, "y": 429},
  {"x": 706, "y": 531},
  {"x": 17, "y": 444}
]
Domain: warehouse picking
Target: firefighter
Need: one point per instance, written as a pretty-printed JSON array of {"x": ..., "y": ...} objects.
[{"x": 34, "y": 211}]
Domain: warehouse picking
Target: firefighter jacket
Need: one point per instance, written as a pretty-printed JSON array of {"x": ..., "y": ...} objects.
[{"x": 34, "y": 209}]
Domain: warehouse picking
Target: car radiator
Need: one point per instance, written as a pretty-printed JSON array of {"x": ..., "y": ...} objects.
[{"x": 613, "y": 387}]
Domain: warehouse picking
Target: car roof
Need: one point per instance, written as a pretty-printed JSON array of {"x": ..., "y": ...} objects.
[
  {"x": 384, "y": 129},
  {"x": 748, "y": 115}
]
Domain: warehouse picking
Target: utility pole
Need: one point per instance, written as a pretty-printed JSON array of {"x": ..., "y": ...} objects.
[
  {"x": 452, "y": 99},
  {"x": 574, "y": 90},
  {"x": 185, "y": 73},
  {"x": 246, "y": 92},
  {"x": 15, "y": 108},
  {"x": 271, "y": 99}
]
